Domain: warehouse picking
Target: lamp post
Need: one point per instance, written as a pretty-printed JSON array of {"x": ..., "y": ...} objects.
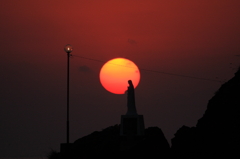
[{"x": 68, "y": 49}]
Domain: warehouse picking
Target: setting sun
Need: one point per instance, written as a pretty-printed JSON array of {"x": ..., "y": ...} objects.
[{"x": 115, "y": 73}]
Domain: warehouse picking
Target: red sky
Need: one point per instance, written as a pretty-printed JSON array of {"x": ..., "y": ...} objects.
[{"x": 192, "y": 38}]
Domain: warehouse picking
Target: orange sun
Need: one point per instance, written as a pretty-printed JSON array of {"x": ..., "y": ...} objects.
[{"x": 115, "y": 73}]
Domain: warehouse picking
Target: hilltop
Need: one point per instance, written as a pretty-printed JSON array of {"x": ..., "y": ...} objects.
[{"x": 217, "y": 134}]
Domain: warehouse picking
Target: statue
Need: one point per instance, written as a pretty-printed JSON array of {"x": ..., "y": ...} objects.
[
  {"x": 132, "y": 124},
  {"x": 131, "y": 100}
]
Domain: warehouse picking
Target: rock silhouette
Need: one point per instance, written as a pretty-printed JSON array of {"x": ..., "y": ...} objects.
[
  {"x": 109, "y": 144},
  {"x": 217, "y": 133}
]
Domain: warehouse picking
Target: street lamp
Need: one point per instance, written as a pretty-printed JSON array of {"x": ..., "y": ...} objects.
[{"x": 68, "y": 49}]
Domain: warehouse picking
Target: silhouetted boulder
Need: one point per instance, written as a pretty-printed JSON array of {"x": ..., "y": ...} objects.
[
  {"x": 217, "y": 133},
  {"x": 109, "y": 144}
]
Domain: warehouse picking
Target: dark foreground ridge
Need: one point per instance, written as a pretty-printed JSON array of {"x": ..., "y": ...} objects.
[
  {"x": 109, "y": 144},
  {"x": 217, "y": 134}
]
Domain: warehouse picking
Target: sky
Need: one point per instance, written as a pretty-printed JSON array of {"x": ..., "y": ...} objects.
[{"x": 171, "y": 42}]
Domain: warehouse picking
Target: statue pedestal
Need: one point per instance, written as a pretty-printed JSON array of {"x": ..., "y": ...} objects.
[{"x": 132, "y": 125}]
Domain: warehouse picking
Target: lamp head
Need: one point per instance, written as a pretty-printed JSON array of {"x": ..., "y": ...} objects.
[{"x": 68, "y": 48}]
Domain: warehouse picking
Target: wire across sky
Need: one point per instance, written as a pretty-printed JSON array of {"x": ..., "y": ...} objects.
[{"x": 154, "y": 71}]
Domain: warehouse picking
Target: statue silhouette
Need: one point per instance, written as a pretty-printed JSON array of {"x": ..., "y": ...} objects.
[
  {"x": 131, "y": 99},
  {"x": 132, "y": 124}
]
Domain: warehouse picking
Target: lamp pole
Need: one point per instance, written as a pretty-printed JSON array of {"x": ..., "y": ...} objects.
[{"x": 68, "y": 49}]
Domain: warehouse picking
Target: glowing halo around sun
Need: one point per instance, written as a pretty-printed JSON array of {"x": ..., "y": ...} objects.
[{"x": 115, "y": 73}]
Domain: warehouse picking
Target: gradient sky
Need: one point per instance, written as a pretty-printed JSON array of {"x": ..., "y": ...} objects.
[{"x": 193, "y": 38}]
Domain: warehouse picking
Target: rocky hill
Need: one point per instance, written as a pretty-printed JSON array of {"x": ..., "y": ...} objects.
[
  {"x": 109, "y": 144},
  {"x": 217, "y": 133}
]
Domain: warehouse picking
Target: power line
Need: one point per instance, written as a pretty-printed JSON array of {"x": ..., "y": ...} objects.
[
  {"x": 179, "y": 75},
  {"x": 154, "y": 71},
  {"x": 88, "y": 58}
]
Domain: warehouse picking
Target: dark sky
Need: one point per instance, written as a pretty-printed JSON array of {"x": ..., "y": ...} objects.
[{"x": 191, "y": 38}]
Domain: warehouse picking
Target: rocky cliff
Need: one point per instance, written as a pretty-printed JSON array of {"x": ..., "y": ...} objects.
[
  {"x": 217, "y": 133},
  {"x": 109, "y": 144}
]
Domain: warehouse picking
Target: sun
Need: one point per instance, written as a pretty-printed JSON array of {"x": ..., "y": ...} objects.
[{"x": 115, "y": 73}]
